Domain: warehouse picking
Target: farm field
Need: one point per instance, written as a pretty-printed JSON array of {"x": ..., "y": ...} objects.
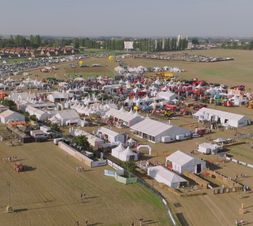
[{"x": 49, "y": 194}]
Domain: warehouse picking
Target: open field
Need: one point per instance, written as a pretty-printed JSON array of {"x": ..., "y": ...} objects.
[
  {"x": 64, "y": 70},
  {"x": 231, "y": 73},
  {"x": 234, "y": 72},
  {"x": 49, "y": 194},
  {"x": 212, "y": 209}
]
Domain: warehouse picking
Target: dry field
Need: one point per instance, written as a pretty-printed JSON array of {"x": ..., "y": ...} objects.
[
  {"x": 49, "y": 194},
  {"x": 235, "y": 72}
]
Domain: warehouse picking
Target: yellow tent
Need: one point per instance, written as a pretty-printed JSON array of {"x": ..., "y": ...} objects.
[
  {"x": 81, "y": 63},
  {"x": 166, "y": 75},
  {"x": 110, "y": 58}
]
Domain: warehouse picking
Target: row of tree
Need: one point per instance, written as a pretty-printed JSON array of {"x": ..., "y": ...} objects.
[
  {"x": 33, "y": 41},
  {"x": 149, "y": 45},
  {"x": 238, "y": 45}
]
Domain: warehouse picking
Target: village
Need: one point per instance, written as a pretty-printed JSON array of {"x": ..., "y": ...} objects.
[{"x": 179, "y": 138}]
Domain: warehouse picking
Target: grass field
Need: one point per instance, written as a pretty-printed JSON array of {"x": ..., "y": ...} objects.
[
  {"x": 239, "y": 71},
  {"x": 49, "y": 194}
]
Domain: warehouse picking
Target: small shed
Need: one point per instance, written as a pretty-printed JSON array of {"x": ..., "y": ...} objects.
[{"x": 209, "y": 148}]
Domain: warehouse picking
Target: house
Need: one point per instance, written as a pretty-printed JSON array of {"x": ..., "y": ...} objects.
[
  {"x": 181, "y": 162},
  {"x": 124, "y": 118},
  {"x": 124, "y": 154},
  {"x": 209, "y": 148},
  {"x": 11, "y": 116},
  {"x": 156, "y": 131},
  {"x": 65, "y": 117},
  {"x": 167, "y": 177},
  {"x": 39, "y": 114},
  {"x": 111, "y": 136},
  {"x": 224, "y": 118},
  {"x": 57, "y": 97}
]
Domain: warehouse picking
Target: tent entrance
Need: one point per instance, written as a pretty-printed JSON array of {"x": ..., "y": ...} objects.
[{"x": 198, "y": 168}]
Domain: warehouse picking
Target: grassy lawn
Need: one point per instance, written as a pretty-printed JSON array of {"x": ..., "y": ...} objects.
[
  {"x": 49, "y": 194},
  {"x": 243, "y": 152}
]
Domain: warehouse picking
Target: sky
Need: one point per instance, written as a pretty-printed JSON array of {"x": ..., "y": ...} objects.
[{"x": 137, "y": 18}]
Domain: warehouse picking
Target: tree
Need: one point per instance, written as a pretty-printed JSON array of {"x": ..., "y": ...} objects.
[
  {"x": 55, "y": 128},
  {"x": 9, "y": 103},
  {"x": 130, "y": 166},
  {"x": 33, "y": 118},
  {"x": 195, "y": 41},
  {"x": 76, "y": 43},
  {"x": 82, "y": 141}
]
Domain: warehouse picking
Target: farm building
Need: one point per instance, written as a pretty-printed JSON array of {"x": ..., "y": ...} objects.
[
  {"x": 40, "y": 114},
  {"x": 209, "y": 148},
  {"x": 181, "y": 162},
  {"x": 57, "y": 97},
  {"x": 156, "y": 131},
  {"x": 167, "y": 96},
  {"x": 66, "y": 117},
  {"x": 167, "y": 177},
  {"x": 124, "y": 154},
  {"x": 110, "y": 135},
  {"x": 11, "y": 116},
  {"x": 93, "y": 140},
  {"x": 222, "y": 117},
  {"x": 123, "y": 117}
]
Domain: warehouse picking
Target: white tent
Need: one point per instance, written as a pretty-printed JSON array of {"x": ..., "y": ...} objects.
[
  {"x": 225, "y": 118},
  {"x": 111, "y": 135},
  {"x": 209, "y": 148},
  {"x": 10, "y": 116},
  {"x": 128, "y": 119},
  {"x": 168, "y": 96},
  {"x": 124, "y": 154},
  {"x": 181, "y": 162},
  {"x": 154, "y": 131},
  {"x": 164, "y": 176}
]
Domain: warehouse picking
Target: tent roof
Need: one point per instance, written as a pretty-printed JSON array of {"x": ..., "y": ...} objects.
[
  {"x": 221, "y": 114},
  {"x": 119, "y": 148},
  {"x": 166, "y": 174},
  {"x": 8, "y": 113},
  {"x": 67, "y": 114},
  {"x": 166, "y": 95},
  {"x": 180, "y": 158},
  {"x": 151, "y": 127},
  {"x": 123, "y": 115},
  {"x": 107, "y": 131}
]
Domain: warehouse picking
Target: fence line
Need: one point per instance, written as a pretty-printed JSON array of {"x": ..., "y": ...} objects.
[{"x": 173, "y": 219}]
